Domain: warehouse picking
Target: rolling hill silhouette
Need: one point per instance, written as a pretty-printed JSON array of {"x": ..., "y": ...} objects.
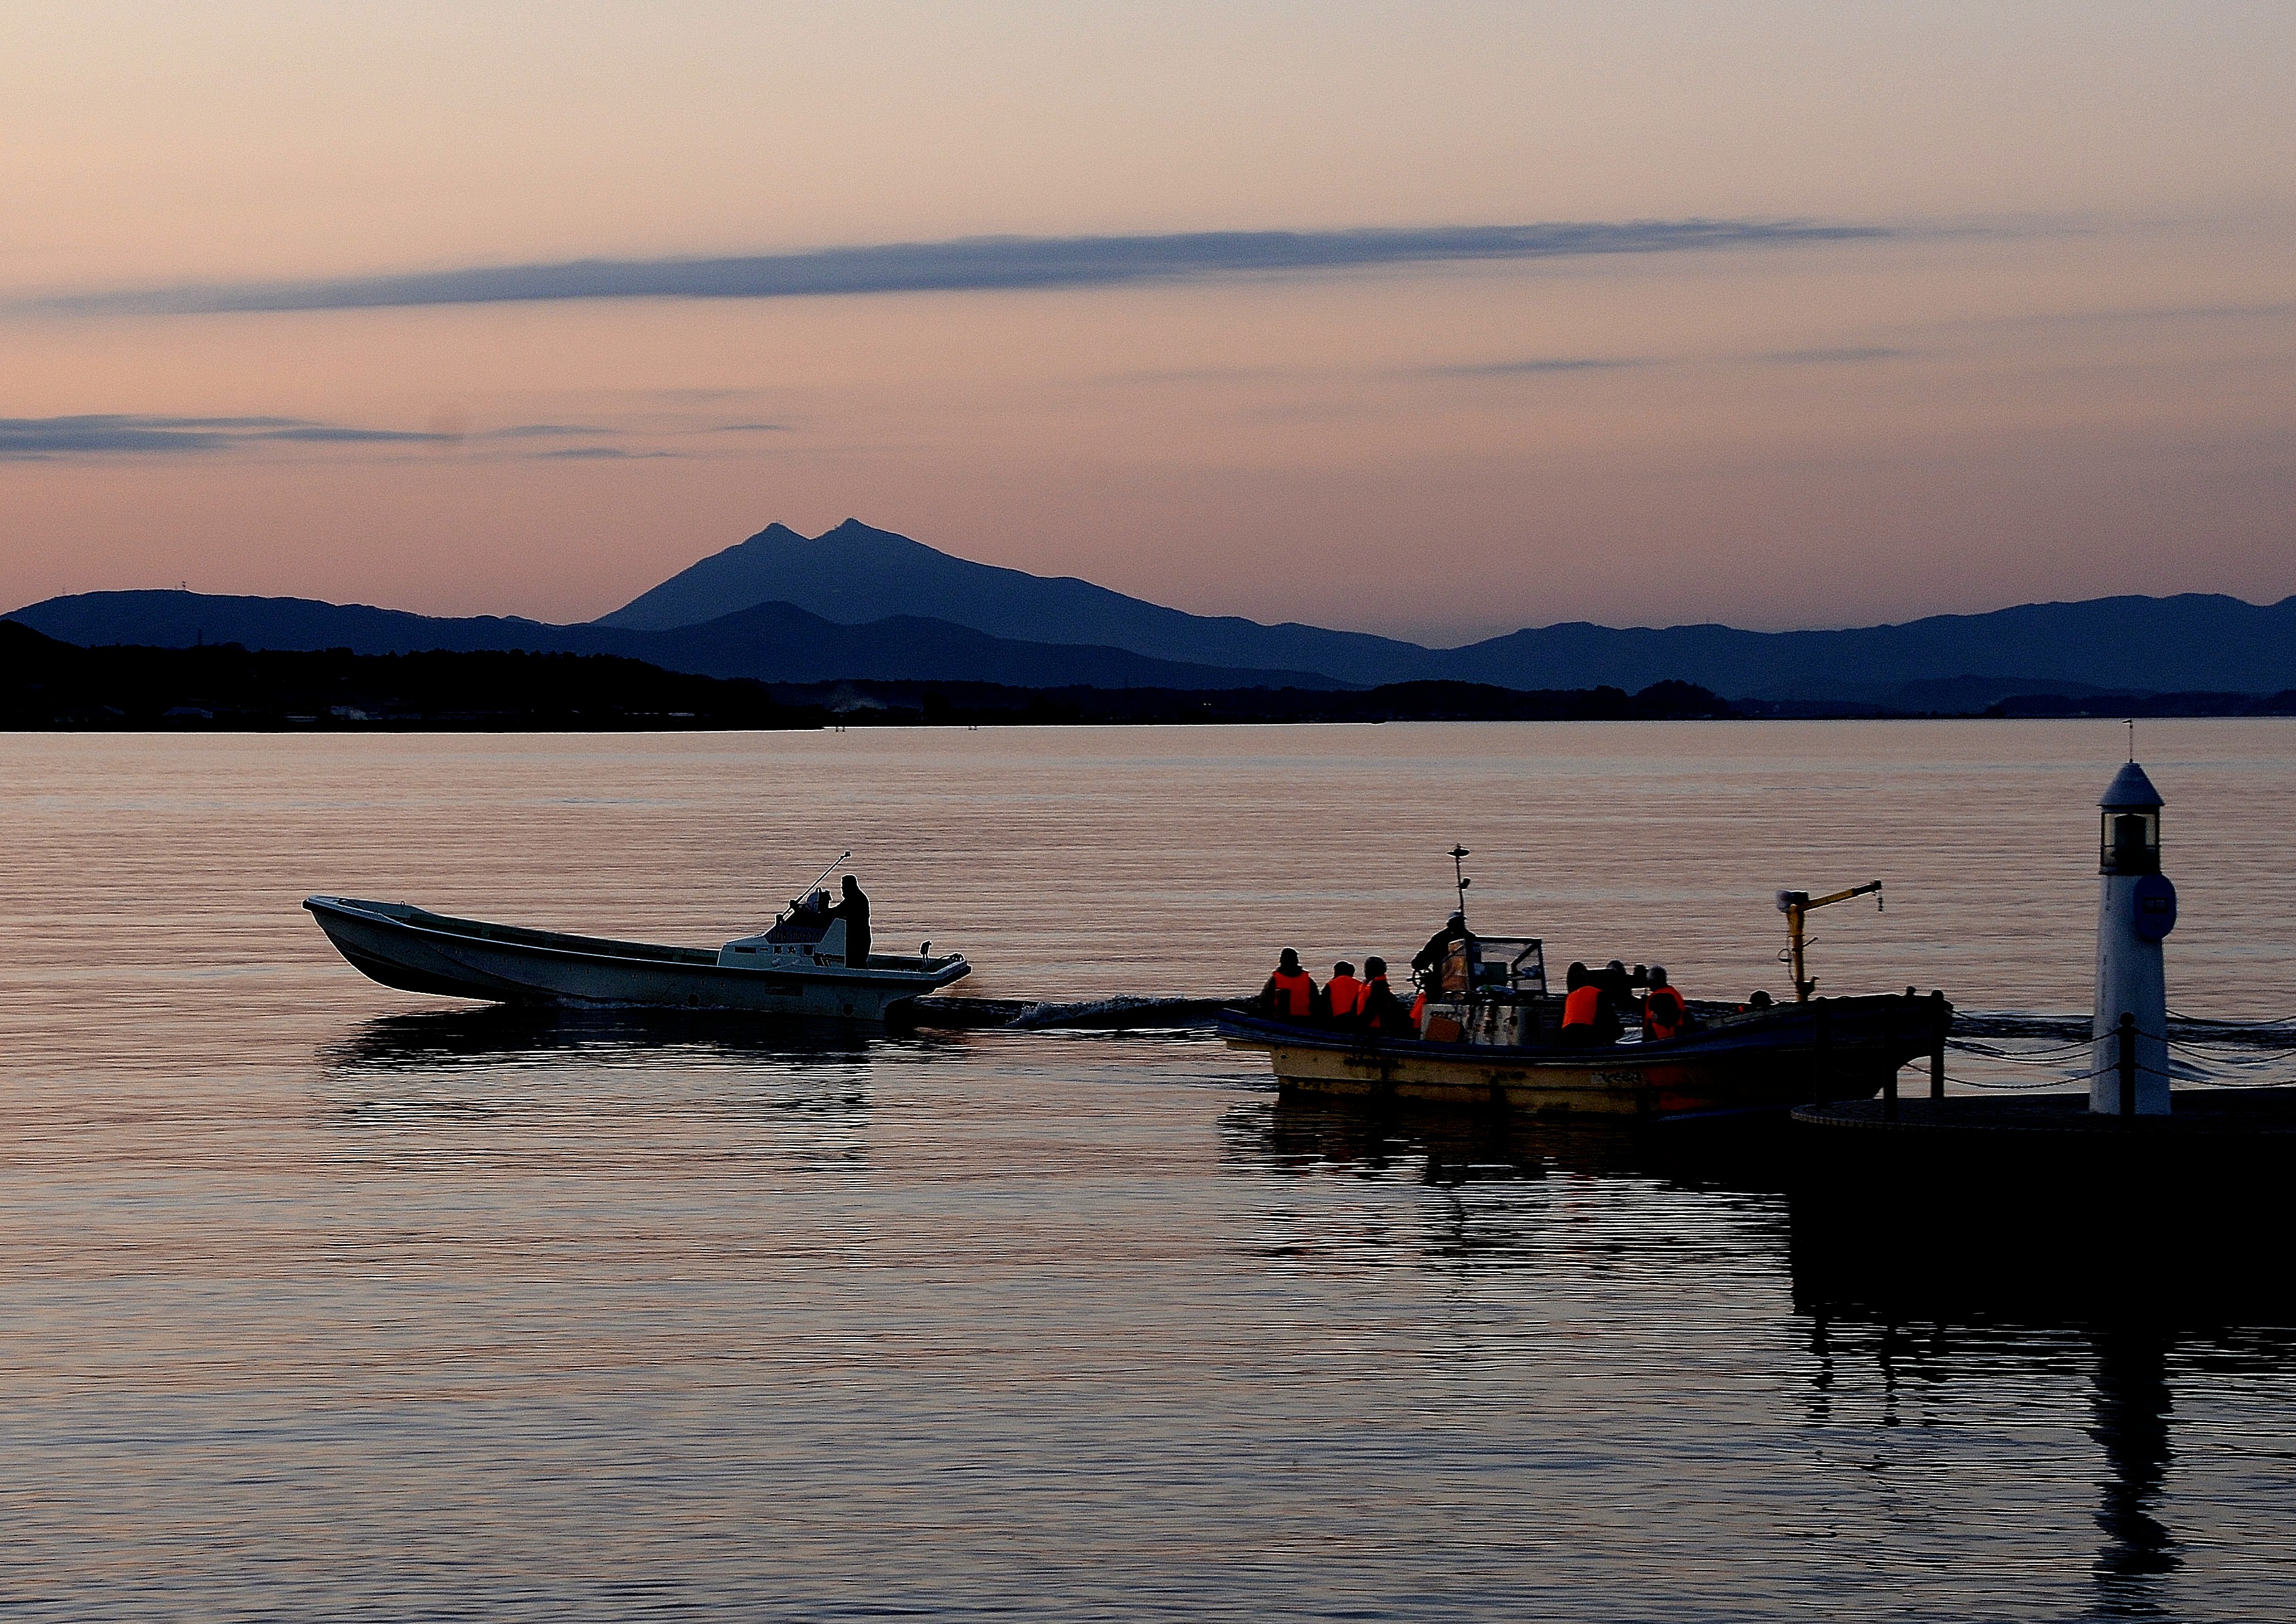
[{"x": 770, "y": 642}]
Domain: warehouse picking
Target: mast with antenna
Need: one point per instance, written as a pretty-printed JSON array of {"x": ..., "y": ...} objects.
[{"x": 1459, "y": 855}]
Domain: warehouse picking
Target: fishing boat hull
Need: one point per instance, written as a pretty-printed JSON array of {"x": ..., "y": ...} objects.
[
  {"x": 1797, "y": 1053},
  {"x": 407, "y": 947}
]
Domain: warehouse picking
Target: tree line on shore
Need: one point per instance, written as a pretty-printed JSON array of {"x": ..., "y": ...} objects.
[{"x": 48, "y": 684}]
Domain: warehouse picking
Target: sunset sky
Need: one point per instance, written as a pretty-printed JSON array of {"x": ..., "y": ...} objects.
[{"x": 1433, "y": 319}]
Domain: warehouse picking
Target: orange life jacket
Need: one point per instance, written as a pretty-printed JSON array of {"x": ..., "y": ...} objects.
[
  {"x": 1581, "y": 1007},
  {"x": 1664, "y": 1013},
  {"x": 1363, "y": 998},
  {"x": 1347, "y": 994},
  {"x": 1418, "y": 1009},
  {"x": 1295, "y": 994}
]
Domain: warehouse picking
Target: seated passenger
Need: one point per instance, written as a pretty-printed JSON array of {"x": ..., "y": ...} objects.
[
  {"x": 1343, "y": 995},
  {"x": 1290, "y": 994},
  {"x": 1582, "y": 1008},
  {"x": 1617, "y": 1000},
  {"x": 1665, "y": 1012},
  {"x": 1383, "y": 1012}
]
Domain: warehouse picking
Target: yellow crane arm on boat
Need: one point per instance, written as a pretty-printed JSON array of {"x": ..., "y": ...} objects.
[{"x": 1795, "y": 906}]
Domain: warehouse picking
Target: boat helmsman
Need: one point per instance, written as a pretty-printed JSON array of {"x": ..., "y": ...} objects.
[{"x": 854, "y": 910}]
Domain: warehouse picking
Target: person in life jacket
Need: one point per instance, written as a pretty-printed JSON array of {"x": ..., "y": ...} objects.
[
  {"x": 1665, "y": 1014},
  {"x": 1290, "y": 994},
  {"x": 1619, "y": 1004},
  {"x": 1343, "y": 995},
  {"x": 1582, "y": 1007},
  {"x": 1381, "y": 1010}
]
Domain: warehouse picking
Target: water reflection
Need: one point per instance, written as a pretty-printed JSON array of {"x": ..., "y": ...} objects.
[
  {"x": 1449, "y": 1148},
  {"x": 669, "y": 1087},
  {"x": 2002, "y": 1342},
  {"x": 1580, "y": 1208},
  {"x": 2132, "y": 1428},
  {"x": 1972, "y": 1299},
  {"x": 485, "y": 1036}
]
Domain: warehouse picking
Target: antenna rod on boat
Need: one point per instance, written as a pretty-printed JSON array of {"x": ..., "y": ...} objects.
[
  {"x": 1459, "y": 855},
  {"x": 826, "y": 873},
  {"x": 815, "y": 885}
]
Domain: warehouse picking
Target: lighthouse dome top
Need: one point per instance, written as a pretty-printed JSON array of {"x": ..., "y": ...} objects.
[{"x": 2130, "y": 788}]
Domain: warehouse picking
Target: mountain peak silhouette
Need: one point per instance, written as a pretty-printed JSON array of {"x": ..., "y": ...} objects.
[{"x": 855, "y": 573}]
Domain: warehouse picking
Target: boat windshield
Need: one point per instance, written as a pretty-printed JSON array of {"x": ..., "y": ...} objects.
[{"x": 1510, "y": 965}]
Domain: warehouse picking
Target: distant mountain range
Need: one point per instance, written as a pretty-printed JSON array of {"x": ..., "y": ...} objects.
[
  {"x": 771, "y": 642},
  {"x": 863, "y": 604}
]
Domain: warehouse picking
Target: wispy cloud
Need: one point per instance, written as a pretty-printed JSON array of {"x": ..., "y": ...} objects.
[
  {"x": 1202, "y": 374},
  {"x": 1536, "y": 365},
  {"x": 549, "y": 430},
  {"x": 1828, "y": 358},
  {"x": 122, "y": 433},
  {"x": 1545, "y": 364},
  {"x": 599, "y": 454},
  {"x": 752, "y": 428},
  {"x": 968, "y": 263},
  {"x": 328, "y": 434},
  {"x": 2138, "y": 315},
  {"x": 692, "y": 397}
]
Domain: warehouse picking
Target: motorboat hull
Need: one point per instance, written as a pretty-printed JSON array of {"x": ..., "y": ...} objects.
[
  {"x": 1794, "y": 1054},
  {"x": 406, "y": 948}
]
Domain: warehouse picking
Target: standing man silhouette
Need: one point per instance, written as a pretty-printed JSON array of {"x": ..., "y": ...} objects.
[{"x": 855, "y": 912}]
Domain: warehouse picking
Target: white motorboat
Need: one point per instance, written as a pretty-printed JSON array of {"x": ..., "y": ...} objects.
[{"x": 799, "y": 967}]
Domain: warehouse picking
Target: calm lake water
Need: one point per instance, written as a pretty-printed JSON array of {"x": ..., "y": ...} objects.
[{"x": 327, "y": 1300}]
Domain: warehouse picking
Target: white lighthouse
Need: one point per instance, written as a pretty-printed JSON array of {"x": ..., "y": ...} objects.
[{"x": 2136, "y": 908}]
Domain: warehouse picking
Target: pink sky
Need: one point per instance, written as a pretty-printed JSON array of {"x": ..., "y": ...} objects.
[{"x": 2065, "y": 367}]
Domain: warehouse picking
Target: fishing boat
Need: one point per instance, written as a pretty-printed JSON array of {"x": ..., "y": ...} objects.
[
  {"x": 1490, "y": 1033},
  {"x": 798, "y": 967},
  {"x": 1786, "y": 1054}
]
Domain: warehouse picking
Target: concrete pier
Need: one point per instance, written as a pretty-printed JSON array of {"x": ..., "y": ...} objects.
[{"x": 2222, "y": 1145}]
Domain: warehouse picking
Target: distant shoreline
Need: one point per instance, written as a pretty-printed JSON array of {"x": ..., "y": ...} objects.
[{"x": 48, "y": 686}]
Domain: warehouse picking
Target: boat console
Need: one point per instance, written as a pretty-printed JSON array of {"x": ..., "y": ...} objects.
[
  {"x": 805, "y": 935},
  {"x": 1493, "y": 990}
]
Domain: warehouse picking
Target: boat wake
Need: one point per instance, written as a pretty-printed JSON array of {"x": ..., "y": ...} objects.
[
  {"x": 1122, "y": 1012},
  {"x": 1118, "y": 1013}
]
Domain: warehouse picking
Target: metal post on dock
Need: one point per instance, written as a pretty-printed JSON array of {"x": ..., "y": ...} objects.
[
  {"x": 2129, "y": 1067},
  {"x": 1939, "y": 1020},
  {"x": 1890, "y": 1083}
]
